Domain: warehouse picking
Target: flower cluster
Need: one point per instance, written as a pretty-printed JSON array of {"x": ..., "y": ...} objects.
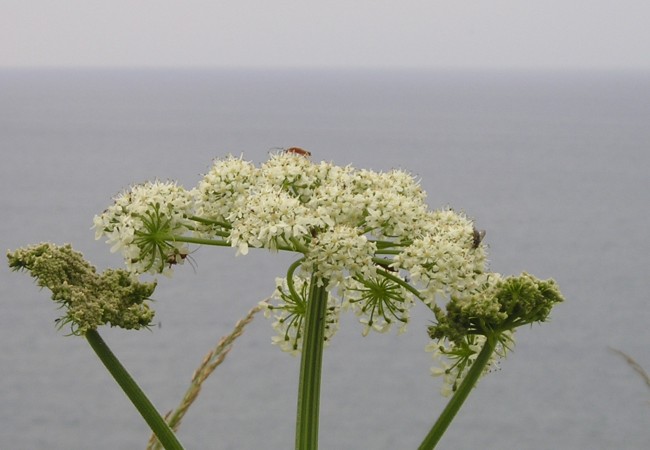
[
  {"x": 273, "y": 219},
  {"x": 367, "y": 237},
  {"x": 341, "y": 252},
  {"x": 499, "y": 305},
  {"x": 224, "y": 189},
  {"x": 443, "y": 260},
  {"x": 492, "y": 311},
  {"x": 143, "y": 222},
  {"x": 365, "y": 241},
  {"x": 90, "y": 299}
]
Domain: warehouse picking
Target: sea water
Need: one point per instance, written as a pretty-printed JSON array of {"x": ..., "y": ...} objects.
[{"x": 554, "y": 166}]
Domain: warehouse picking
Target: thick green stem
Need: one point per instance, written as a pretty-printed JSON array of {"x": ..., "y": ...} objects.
[
  {"x": 310, "y": 367},
  {"x": 459, "y": 396},
  {"x": 157, "y": 424}
]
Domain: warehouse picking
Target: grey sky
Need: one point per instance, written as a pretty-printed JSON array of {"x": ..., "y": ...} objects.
[{"x": 363, "y": 33}]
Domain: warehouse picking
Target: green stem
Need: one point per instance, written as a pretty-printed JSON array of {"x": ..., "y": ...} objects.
[
  {"x": 310, "y": 367},
  {"x": 157, "y": 424},
  {"x": 203, "y": 220},
  {"x": 387, "y": 251},
  {"x": 195, "y": 240},
  {"x": 216, "y": 242},
  {"x": 299, "y": 247},
  {"x": 401, "y": 282},
  {"x": 290, "y": 283},
  {"x": 459, "y": 396}
]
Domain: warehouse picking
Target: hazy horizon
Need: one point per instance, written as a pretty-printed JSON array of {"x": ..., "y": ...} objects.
[{"x": 501, "y": 34}]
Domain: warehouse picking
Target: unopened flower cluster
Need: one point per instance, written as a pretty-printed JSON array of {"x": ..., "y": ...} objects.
[
  {"x": 89, "y": 299},
  {"x": 492, "y": 311}
]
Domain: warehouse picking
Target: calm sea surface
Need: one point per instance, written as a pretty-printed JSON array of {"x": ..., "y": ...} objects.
[{"x": 553, "y": 165}]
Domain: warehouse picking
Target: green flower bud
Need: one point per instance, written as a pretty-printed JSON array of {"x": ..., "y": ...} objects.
[
  {"x": 90, "y": 299},
  {"x": 498, "y": 306}
]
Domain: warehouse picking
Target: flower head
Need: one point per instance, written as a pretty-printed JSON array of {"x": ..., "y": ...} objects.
[
  {"x": 143, "y": 222},
  {"x": 443, "y": 259},
  {"x": 368, "y": 236},
  {"x": 341, "y": 252},
  {"x": 225, "y": 188},
  {"x": 492, "y": 311},
  {"x": 272, "y": 218},
  {"x": 90, "y": 299},
  {"x": 497, "y": 306},
  {"x": 292, "y": 173}
]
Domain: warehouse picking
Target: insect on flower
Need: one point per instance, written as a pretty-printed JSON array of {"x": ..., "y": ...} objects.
[
  {"x": 298, "y": 151},
  {"x": 478, "y": 237},
  {"x": 179, "y": 257}
]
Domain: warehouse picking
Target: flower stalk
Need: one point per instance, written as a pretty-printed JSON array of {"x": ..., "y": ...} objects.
[
  {"x": 144, "y": 406},
  {"x": 310, "y": 367},
  {"x": 459, "y": 396}
]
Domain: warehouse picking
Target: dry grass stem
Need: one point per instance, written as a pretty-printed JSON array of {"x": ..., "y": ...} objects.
[
  {"x": 635, "y": 365},
  {"x": 210, "y": 362}
]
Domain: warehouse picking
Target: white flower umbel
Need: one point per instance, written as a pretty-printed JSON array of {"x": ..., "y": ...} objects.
[
  {"x": 142, "y": 223},
  {"x": 293, "y": 173},
  {"x": 394, "y": 204},
  {"x": 346, "y": 223}
]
